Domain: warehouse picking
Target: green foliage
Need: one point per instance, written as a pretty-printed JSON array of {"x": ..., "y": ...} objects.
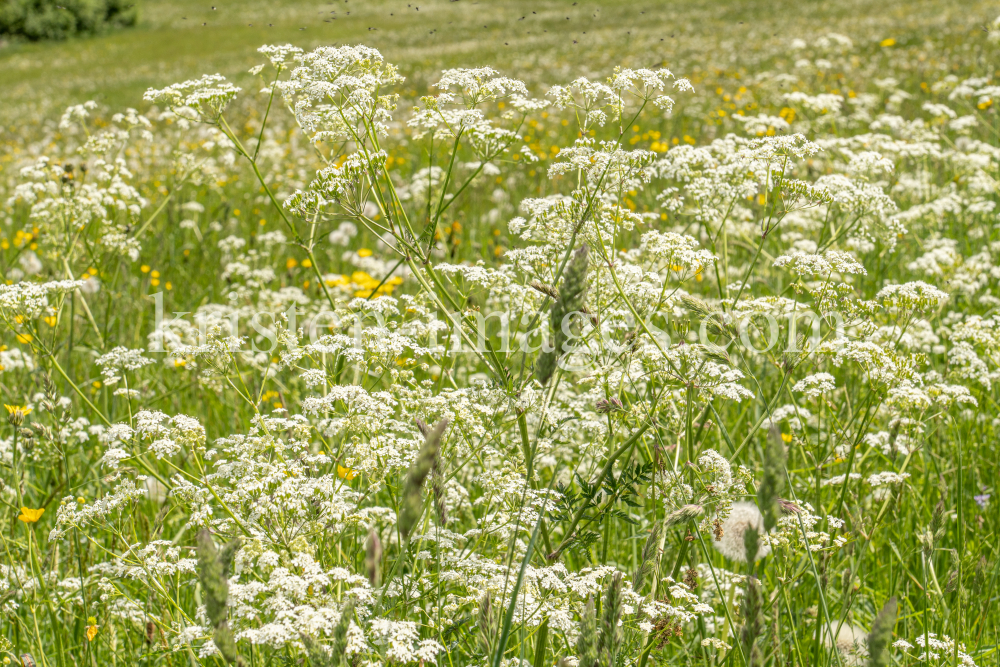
[
  {"x": 487, "y": 624},
  {"x": 335, "y": 656},
  {"x": 541, "y": 644},
  {"x": 412, "y": 502},
  {"x": 881, "y": 635},
  {"x": 611, "y": 635},
  {"x": 572, "y": 294},
  {"x": 647, "y": 560},
  {"x": 600, "y": 638},
  {"x": 595, "y": 509},
  {"x": 58, "y": 19},
  {"x": 588, "y": 640},
  {"x": 437, "y": 478},
  {"x": 213, "y": 573},
  {"x": 772, "y": 482},
  {"x": 753, "y": 622}
]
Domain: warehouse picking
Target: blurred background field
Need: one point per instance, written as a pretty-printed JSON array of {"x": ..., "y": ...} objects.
[{"x": 539, "y": 40}]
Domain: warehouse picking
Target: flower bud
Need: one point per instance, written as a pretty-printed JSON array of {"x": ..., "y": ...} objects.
[{"x": 608, "y": 405}]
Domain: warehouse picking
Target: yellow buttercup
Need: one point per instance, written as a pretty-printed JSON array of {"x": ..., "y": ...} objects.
[{"x": 29, "y": 515}]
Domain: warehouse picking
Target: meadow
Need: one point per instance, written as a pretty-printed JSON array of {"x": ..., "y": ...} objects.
[{"x": 503, "y": 334}]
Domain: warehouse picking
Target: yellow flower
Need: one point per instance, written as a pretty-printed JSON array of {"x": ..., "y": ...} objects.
[
  {"x": 787, "y": 437},
  {"x": 91, "y": 632},
  {"x": 144, "y": 268},
  {"x": 51, "y": 320},
  {"x": 24, "y": 338},
  {"x": 291, "y": 263},
  {"x": 15, "y": 414},
  {"x": 887, "y": 42},
  {"x": 363, "y": 279},
  {"x": 364, "y": 252},
  {"x": 346, "y": 473},
  {"x": 29, "y": 515},
  {"x": 306, "y": 263}
]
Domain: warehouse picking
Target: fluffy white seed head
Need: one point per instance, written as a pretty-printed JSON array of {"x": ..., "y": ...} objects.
[
  {"x": 742, "y": 516},
  {"x": 851, "y": 642}
]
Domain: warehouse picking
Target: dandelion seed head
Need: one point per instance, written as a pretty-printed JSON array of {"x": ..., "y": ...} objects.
[
  {"x": 742, "y": 515},
  {"x": 851, "y": 641}
]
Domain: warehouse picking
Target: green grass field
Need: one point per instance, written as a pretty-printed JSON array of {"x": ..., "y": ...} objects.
[{"x": 177, "y": 40}]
